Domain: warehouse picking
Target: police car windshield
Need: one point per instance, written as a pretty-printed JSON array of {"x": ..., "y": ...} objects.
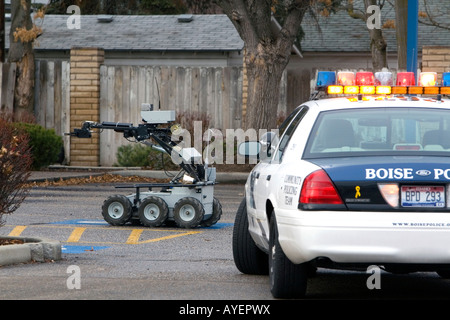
[{"x": 380, "y": 131}]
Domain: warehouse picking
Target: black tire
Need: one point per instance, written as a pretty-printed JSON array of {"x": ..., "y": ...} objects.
[
  {"x": 216, "y": 214},
  {"x": 188, "y": 212},
  {"x": 248, "y": 258},
  {"x": 153, "y": 211},
  {"x": 444, "y": 274},
  {"x": 287, "y": 280},
  {"x": 117, "y": 210}
]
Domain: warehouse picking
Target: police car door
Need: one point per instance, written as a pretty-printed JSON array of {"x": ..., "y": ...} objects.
[{"x": 264, "y": 181}]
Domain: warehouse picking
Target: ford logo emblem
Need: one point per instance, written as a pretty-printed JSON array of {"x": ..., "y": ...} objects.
[{"x": 423, "y": 173}]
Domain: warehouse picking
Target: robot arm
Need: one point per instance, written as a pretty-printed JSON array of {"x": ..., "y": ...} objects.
[{"x": 151, "y": 129}]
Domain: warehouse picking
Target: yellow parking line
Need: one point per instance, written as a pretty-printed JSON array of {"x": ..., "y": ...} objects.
[
  {"x": 134, "y": 236},
  {"x": 17, "y": 231},
  {"x": 76, "y": 234},
  {"x": 170, "y": 237}
]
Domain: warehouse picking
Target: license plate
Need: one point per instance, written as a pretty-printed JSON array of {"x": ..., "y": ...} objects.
[{"x": 423, "y": 196}]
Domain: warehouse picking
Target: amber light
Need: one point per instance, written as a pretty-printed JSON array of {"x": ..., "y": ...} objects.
[
  {"x": 351, "y": 89},
  {"x": 367, "y": 89},
  {"x": 335, "y": 89},
  {"x": 445, "y": 90},
  {"x": 415, "y": 90},
  {"x": 399, "y": 90},
  {"x": 431, "y": 90},
  {"x": 383, "y": 90}
]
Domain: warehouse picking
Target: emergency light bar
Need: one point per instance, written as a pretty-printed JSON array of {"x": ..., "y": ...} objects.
[{"x": 381, "y": 83}]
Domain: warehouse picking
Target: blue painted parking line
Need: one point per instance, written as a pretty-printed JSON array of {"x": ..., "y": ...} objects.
[
  {"x": 80, "y": 249},
  {"x": 219, "y": 225},
  {"x": 82, "y": 221}
]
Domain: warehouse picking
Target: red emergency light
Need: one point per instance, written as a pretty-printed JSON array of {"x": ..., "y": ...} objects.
[
  {"x": 406, "y": 79},
  {"x": 364, "y": 79},
  {"x": 346, "y": 78}
]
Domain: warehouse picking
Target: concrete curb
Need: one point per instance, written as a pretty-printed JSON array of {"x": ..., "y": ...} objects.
[
  {"x": 86, "y": 172},
  {"x": 34, "y": 249},
  {"x": 221, "y": 177}
]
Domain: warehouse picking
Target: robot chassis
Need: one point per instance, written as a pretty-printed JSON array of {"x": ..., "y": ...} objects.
[{"x": 186, "y": 204}]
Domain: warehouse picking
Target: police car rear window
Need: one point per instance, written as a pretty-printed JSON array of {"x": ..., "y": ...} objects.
[{"x": 380, "y": 131}]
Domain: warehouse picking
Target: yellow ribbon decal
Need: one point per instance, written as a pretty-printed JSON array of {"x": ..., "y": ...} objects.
[{"x": 358, "y": 194}]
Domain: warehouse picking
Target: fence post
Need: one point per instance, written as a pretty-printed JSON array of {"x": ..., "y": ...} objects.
[{"x": 85, "y": 102}]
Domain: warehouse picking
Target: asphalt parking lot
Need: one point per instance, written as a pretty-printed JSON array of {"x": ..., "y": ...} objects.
[
  {"x": 129, "y": 262},
  {"x": 104, "y": 262}
]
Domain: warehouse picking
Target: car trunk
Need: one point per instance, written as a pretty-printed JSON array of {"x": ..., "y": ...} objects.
[{"x": 390, "y": 183}]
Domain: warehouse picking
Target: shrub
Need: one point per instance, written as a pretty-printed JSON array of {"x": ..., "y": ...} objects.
[
  {"x": 142, "y": 156},
  {"x": 138, "y": 155},
  {"x": 45, "y": 144},
  {"x": 15, "y": 164},
  {"x": 132, "y": 156}
]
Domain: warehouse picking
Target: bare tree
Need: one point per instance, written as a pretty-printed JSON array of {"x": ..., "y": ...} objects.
[
  {"x": 267, "y": 51},
  {"x": 22, "y": 35},
  {"x": 437, "y": 19},
  {"x": 378, "y": 44}
]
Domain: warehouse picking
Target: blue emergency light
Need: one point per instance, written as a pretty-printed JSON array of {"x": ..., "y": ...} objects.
[
  {"x": 325, "y": 78},
  {"x": 446, "y": 79}
]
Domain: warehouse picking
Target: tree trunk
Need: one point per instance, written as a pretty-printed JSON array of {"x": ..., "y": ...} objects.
[
  {"x": 378, "y": 48},
  {"x": 401, "y": 29},
  {"x": 377, "y": 43},
  {"x": 267, "y": 53},
  {"x": 264, "y": 72},
  {"x": 21, "y": 53}
]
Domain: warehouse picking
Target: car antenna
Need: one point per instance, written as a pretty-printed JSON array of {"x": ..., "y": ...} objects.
[{"x": 159, "y": 97}]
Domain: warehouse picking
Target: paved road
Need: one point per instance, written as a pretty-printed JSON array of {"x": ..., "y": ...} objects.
[
  {"x": 132, "y": 262},
  {"x": 129, "y": 262}
]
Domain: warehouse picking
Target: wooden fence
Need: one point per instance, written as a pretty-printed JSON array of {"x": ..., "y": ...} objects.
[
  {"x": 7, "y": 76},
  {"x": 51, "y": 98},
  {"x": 216, "y": 92}
]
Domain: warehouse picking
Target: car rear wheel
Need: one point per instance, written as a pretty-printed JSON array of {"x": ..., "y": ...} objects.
[
  {"x": 248, "y": 258},
  {"x": 445, "y": 274},
  {"x": 287, "y": 280}
]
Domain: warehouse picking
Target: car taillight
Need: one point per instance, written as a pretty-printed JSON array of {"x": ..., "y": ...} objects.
[{"x": 319, "y": 189}]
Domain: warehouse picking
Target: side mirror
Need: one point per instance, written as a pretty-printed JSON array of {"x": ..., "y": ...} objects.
[
  {"x": 249, "y": 149},
  {"x": 269, "y": 142}
]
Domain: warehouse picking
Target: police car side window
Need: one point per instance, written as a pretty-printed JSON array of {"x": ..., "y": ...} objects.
[{"x": 286, "y": 130}]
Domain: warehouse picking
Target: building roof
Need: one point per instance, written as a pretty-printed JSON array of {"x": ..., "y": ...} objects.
[
  {"x": 336, "y": 33},
  {"x": 138, "y": 33},
  {"x": 341, "y": 33}
]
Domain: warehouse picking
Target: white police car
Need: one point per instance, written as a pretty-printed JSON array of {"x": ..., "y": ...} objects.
[{"x": 353, "y": 181}]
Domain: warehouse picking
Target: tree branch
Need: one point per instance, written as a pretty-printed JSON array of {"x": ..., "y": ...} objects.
[{"x": 432, "y": 21}]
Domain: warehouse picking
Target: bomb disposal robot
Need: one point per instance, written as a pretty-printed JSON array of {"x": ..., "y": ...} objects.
[{"x": 187, "y": 200}]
